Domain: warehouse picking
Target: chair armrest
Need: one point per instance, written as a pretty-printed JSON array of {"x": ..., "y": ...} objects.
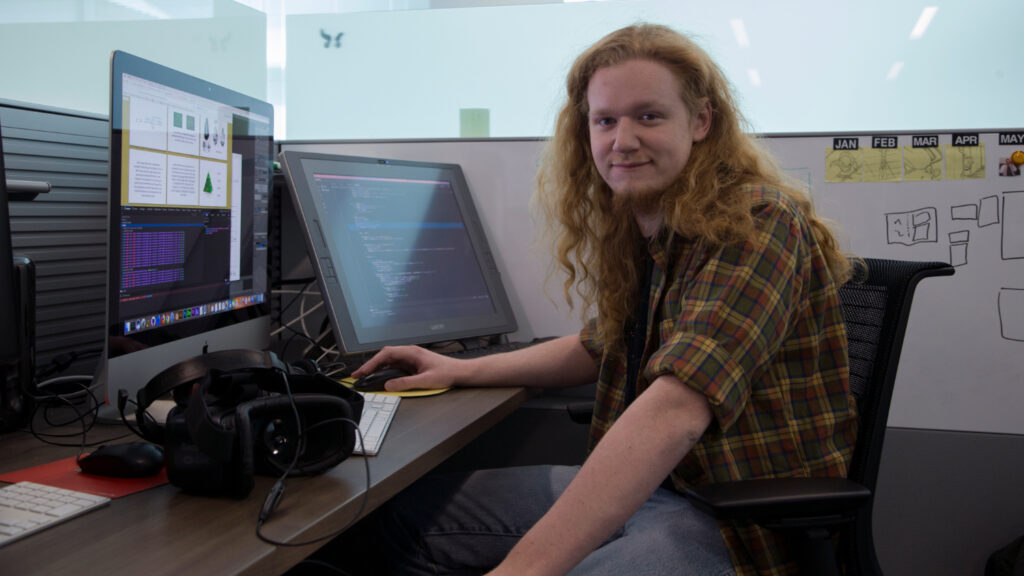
[
  {"x": 782, "y": 502},
  {"x": 580, "y": 412}
]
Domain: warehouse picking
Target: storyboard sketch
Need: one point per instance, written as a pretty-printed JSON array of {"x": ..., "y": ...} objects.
[{"x": 955, "y": 197}]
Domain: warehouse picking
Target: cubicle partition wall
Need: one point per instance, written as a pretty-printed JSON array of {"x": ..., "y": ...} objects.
[{"x": 64, "y": 230}]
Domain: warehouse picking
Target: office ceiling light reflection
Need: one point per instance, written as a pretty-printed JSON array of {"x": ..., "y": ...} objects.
[
  {"x": 923, "y": 21},
  {"x": 739, "y": 31},
  {"x": 142, "y": 7},
  {"x": 894, "y": 72}
]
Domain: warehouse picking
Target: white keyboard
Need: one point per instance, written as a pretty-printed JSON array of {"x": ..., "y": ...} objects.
[
  {"x": 378, "y": 411},
  {"x": 27, "y": 508}
]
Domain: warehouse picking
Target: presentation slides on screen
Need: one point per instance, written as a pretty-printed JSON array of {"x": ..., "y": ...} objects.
[{"x": 177, "y": 157}]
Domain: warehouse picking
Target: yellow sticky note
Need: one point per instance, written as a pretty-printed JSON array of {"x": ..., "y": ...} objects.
[
  {"x": 883, "y": 165},
  {"x": 922, "y": 164},
  {"x": 844, "y": 165},
  {"x": 965, "y": 162}
]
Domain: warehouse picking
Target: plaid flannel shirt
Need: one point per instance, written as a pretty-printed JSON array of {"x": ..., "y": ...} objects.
[{"x": 755, "y": 327}]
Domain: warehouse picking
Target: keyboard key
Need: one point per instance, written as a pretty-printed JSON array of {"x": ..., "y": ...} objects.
[{"x": 378, "y": 411}]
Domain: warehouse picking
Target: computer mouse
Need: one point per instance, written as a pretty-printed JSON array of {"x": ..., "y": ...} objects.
[
  {"x": 127, "y": 460},
  {"x": 375, "y": 381}
]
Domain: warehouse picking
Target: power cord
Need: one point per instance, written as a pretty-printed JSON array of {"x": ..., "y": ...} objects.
[
  {"x": 80, "y": 399},
  {"x": 299, "y": 296},
  {"x": 276, "y": 493},
  {"x": 62, "y": 362},
  {"x": 51, "y": 401}
]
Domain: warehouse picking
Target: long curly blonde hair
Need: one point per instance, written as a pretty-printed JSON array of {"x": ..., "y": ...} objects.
[{"x": 598, "y": 248}]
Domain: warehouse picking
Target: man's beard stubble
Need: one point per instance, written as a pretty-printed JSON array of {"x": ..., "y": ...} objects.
[{"x": 637, "y": 202}]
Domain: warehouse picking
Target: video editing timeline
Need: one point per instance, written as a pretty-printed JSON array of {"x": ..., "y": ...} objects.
[
  {"x": 416, "y": 259},
  {"x": 145, "y": 255},
  {"x": 173, "y": 266}
]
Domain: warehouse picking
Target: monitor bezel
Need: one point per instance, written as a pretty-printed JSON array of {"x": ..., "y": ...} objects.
[{"x": 297, "y": 168}]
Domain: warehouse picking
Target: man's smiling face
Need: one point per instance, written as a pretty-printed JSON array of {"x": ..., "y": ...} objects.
[{"x": 641, "y": 132}]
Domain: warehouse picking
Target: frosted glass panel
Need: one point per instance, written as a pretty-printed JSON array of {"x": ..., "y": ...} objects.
[
  {"x": 439, "y": 69},
  {"x": 806, "y": 65},
  {"x": 66, "y": 63},
  {"x": 408, "y": 74}
]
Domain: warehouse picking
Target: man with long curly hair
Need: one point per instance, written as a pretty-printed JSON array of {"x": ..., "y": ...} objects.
[{"x": 718, "y": 344}]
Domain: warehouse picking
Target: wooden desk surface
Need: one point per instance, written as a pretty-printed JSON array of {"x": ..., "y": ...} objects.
[{"x": 165, "y": 531}]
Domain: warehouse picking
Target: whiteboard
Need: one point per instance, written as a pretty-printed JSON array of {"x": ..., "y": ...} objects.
[
  {"x": 963, "y": 358},
  {"x": 962, "y": 366}
]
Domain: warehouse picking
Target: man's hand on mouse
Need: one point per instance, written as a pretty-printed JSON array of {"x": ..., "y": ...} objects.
[{"x": 428, "y": 370}]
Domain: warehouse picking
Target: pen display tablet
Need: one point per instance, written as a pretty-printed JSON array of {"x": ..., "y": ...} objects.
[{"x": 399, "y": 250}]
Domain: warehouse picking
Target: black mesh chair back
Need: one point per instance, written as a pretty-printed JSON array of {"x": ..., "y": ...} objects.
[
  {"x": 809, "y": 512},
  {"x": 876, "y": 308}
]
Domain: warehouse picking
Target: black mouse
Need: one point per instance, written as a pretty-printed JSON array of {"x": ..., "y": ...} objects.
[
  {"x": 127, "y": 460},
  {"x": 375, "y": 381}
]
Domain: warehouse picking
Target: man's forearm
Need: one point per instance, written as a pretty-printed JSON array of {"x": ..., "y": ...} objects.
[
  {"x": 557, "y": 363},
  {"x": 627, "y": 466}
]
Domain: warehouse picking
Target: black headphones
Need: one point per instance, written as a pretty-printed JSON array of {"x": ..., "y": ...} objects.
[{"x": 244, "y": 412}]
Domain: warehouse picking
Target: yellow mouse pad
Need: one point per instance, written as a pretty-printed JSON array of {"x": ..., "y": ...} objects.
[{"x": 407, "y": 394}]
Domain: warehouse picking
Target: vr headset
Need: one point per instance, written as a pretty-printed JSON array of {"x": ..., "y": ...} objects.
[{"x": 234, "y": 416}]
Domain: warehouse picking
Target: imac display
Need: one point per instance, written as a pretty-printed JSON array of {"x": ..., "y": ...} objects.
[
  {"x": 190, "y": 175},
  {"x": 399, "y": 251}
]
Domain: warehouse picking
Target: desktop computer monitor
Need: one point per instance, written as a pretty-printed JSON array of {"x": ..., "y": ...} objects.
[
  {"x": 399, "y": 250},
  {"x": 190, "y": 176}
]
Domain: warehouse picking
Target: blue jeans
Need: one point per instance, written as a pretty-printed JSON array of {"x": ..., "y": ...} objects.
[{"x": 467, "y": 523}]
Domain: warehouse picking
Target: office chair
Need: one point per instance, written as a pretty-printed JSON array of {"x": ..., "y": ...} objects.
[{"x": 808, "y": 511}]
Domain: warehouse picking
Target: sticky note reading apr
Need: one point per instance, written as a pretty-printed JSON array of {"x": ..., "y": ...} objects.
[{"x": 965, "y": 162}]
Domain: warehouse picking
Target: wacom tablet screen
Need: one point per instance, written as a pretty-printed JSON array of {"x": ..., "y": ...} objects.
[
  {"x": 410, "y": 258},
  {"x": 410, "y": 253}
]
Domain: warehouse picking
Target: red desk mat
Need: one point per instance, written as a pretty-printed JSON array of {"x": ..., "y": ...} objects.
[{"x": 65, "y": 474}]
